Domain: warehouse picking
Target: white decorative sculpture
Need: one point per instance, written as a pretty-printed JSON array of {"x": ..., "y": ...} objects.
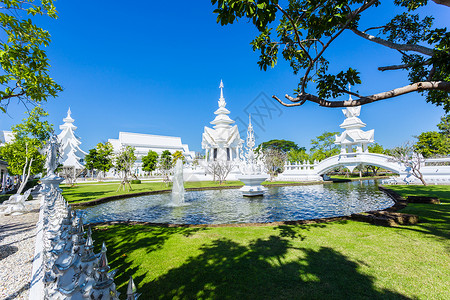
[
  {"x": 51, "y": 161},
  {"x": 71, "y": 153},
  {"x": 354, "y": 136},
  {"x": 252, "y": 175}
]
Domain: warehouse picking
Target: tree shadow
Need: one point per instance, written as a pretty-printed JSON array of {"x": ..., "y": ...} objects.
[
  {"x": 265, "y": 269},
  {"x": 292, "y": 230},
  {"x": 123, "y": 239}
]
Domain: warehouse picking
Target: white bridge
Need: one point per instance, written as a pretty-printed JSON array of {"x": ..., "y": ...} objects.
[{"x": 434, "y": 170}]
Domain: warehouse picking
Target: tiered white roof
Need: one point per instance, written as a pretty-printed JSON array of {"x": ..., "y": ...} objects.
[
  {"x": 353, "y": 134},
  {"x": 71, "y": 153},
  {"x": 223, "y": 135}
]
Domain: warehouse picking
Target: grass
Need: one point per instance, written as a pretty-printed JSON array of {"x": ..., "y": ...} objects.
[
  {"x": 87, "y": 192},
  {"x": 338, "y": 260}
]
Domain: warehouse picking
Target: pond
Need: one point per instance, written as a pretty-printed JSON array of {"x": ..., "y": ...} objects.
[{"x": 229, "y": 206}]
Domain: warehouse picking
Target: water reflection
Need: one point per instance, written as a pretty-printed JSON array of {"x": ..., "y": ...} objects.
[{"x": 229, "y": 206}]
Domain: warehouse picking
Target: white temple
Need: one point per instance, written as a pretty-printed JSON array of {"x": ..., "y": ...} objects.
[
  {"x": 222, "y": 142},
  {"x": 71, "y": 153},
  {"x": 143, "y": 143},
  {"x": 353, "y": 134}
]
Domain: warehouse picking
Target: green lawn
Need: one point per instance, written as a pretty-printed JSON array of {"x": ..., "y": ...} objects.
[
  {"x": 88, "y": 192},
  {"x": 339, "y": 260}
]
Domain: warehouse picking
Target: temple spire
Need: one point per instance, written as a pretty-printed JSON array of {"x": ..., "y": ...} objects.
[
  {"x": 349, "y": 89},
  {"x": 221, "y": 88}
]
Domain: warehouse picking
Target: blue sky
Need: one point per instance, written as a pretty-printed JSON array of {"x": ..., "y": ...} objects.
[{"x": 155, "y": 67}]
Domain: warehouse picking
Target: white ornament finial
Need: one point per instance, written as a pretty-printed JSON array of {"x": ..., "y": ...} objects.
[
  {"x": 69, "y": 112},
  {"x": 349, "y": 89},
  {"x": 221, "y": 89}
]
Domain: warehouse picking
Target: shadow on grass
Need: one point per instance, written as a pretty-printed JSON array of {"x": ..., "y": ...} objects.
[
  {"x": 297, "y": 231},
  {"x": 434, "y": 218},
  {"x": 122, "y": 239},
  {"x": 265, "y": 269}
]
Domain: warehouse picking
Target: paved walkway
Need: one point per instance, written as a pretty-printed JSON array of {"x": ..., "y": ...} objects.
[{"x": 17, "y": 237}]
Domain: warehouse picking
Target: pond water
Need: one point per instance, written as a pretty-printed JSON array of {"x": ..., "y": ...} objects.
[{"x": 229, "y": 206}]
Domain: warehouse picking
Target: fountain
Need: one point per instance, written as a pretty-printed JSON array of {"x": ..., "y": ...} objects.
[
  {"x": 178, "y": 186},
  {"x": 252, "y": 171}
]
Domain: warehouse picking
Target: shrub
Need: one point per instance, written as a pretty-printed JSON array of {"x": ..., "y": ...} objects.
[{"x": 135, "y": 181}]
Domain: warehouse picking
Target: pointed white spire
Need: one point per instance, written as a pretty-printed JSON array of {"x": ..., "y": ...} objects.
[
  {"x": 349, "y": 89},
  {"x": 222, "y": 102},
  {"x": 250, "y": 133}
]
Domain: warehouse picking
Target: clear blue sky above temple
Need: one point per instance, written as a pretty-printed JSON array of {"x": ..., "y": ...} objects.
[{"x": 155, "y": 67}]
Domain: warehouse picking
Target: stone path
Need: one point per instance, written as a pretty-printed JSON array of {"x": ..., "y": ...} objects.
[{"x": 17, "y": 240}]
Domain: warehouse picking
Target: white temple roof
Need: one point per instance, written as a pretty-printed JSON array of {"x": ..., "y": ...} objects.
[{"x": 150, "y": 140}]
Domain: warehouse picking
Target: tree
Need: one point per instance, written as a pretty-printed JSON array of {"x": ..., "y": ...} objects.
[
  {"x": 104, "y": 161},
  {"x": 323, "y": 146},
  {"x": 274, "y": 161},
  {"x": 90, "y": 160},
  {"x": 444, "y": 126},
  {"x": 150, "y": 161},
  {"x": 376, "y": 148},
  {"x": 23, "y": 153},
  {"x": 123, "y": 163},
  {"x": 220, "y": 169},
  {"x": 300, "y": 155},
  {"x": 412, "y": 160},
  {"x": 25, "y": 66},
  {"x": 432, "y": 143},
  {"x": 165, "y": 164},
  {"x": 281, "y": 145},
  {"x": 303, "y": 31},
  {"x": 178, "y": 155}
]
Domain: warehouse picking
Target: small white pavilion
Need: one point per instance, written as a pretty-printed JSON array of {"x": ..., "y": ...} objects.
[
  {"x": 71, "y": 153},
  {"x": 222, "y": 142},
  {"x": 353, "y": 134}
]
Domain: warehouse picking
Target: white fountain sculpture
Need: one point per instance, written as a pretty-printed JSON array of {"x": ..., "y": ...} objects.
[
  {"x": 178, "y": 185},
  {"x": 252, "y": 171}
]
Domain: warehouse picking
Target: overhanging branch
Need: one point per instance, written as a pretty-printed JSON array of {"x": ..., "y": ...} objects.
[
  {"x": 415, "y": 87},
  {"x": 401, "y": 47}
]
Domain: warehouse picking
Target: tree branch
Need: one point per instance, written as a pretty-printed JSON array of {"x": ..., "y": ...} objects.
[
  {"x": 442, "y": 2},
  {"x": 399, "y": 67},
  {"x": 418, "y": 86},
  {"x": 404, "y": 47}
]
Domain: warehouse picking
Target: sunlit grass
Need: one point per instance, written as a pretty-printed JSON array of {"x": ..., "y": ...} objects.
[{"x": 339, "y": 260}]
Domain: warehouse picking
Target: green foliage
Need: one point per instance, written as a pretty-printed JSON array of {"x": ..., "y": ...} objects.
[
  {"x": 90, "y": 159},
  {"x": 124, "y": 160},
  {"x": 104, "y": 156},
  {"x": 135, "y": 181},
  {"x": 281, "y": 145},
  {"x": 150, "y": 161},
  {"x": 432, "y": 143},
  {"x": 299, "y": 155},
  {"x": 165, "y": 164},
  {"x": 302, "y": 32},
  {"x": 178, "y": 155},
  {"x": 377, "y": 148},
  {"x": 29, "y": 138},
  {"x": 100, "y": 158},
  {"x": 24, "y": 63},
  {"x": 325, "y": 141},
  {"x": 165, "y": 161},
  {"x": 444, "y": 126}
]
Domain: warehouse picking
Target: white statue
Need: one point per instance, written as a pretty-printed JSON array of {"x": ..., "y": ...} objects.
[{"x": 51, "y": 161}]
